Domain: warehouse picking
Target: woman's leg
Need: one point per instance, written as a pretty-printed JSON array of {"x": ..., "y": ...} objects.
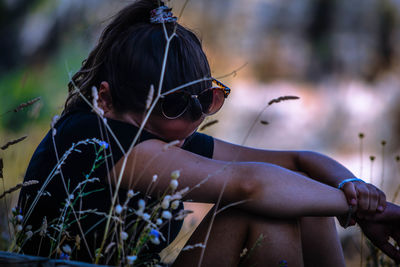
[
  {"x": 321, "y": 244},
  {"x": 234, "y": 230}
]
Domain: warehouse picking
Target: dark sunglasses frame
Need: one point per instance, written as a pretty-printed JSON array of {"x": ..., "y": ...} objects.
[{"x": 220, "y": 85}]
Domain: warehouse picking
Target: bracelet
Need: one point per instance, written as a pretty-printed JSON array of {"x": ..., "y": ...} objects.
[{"x": 348, "y": 180}]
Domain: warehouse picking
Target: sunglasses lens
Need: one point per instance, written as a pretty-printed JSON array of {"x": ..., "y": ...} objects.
[
  {"x": 211, "y": 100},
  {"x": 174, "y": 105}
]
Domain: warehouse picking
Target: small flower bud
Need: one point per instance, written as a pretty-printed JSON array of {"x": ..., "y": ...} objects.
[
  {"x": 146, "y": 216},
  {"x": 158, "y": 221},
  {"x": 175, "y": 204},
  {"x": 19, "y": 218},
  {"x": 155, "y": 177},
  {"x": 118, "y": 209},
  {"x": 175, "y": 174},
  {"x": 67, "y": 249},
  {"x": 173, "y": 184},
  {"x": 29, "y": 234},
  {"x": 155, "y": 241},
  {"x": 131, "y": 259},
  {"x": 130, "y": 194},
  {"x": 166, "y": 214},
  {"x": 18, "y": 228},
  {"x": 124, "y": 235}
]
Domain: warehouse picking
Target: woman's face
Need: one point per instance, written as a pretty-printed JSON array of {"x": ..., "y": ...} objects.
[{"x": 176, "y": 129}]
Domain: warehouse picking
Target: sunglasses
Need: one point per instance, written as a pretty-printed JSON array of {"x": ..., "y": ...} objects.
[{"x": 175, "y": 104}]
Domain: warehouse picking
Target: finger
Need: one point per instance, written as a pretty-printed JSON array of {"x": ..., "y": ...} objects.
[
  {"x": 373, "y": 200},
  {"x": 382, "y": 201},
  {"x": 350, "y": 193},
  {"x": 363, "y": 198}
]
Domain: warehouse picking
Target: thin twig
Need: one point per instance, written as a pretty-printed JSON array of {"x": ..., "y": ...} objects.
[
  {"x": 13, "y": 142},
  {"x": 232, "y": 205},
  {"x": 232, "y": 73}
]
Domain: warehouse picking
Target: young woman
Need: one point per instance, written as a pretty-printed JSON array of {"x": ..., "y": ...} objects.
[{"x": 290, "y": 197}]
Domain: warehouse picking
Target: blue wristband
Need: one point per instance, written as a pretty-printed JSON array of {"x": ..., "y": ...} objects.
[{"x": 348, "y": 180}]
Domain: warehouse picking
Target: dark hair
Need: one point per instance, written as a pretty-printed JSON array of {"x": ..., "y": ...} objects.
[{"x": 129, "y": 57}]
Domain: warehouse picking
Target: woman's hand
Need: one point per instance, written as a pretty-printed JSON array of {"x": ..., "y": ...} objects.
[
  {"x": 380, "y": 227},
  {"x": 368, "y": 198}
]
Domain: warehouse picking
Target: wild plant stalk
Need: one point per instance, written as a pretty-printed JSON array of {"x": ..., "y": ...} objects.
[
  {"x": 397, "y": 191},
  {"x": 361, "y": 137},
  {"x": 66, "y": 189},
  {"x": 275, "y": 100},
  {"x": 383, "y": 143}
]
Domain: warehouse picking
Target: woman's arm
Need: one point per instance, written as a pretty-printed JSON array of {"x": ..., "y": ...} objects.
[
  {"x": 274, "y": 191},
  {"x": 315, "y": 165}
]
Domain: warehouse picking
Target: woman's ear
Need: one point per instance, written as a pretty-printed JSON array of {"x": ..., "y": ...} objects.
[{"x": 105, "y": 98}]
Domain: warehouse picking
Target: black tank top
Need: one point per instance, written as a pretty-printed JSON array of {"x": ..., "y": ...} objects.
[{"x": 81, "y": 125}]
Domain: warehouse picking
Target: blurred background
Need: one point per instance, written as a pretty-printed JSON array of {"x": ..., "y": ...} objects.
[{"x": 340, "y": 57}]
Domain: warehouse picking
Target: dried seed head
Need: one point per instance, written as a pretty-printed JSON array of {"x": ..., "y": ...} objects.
[
  {"x": 397, "y": 158},
  {"x": 282, "y": 98},
  {"x": 372, "y": 158},
  {"x": 361, "y": 135},
  {"x": 383, "y": 142},
  {"x": 13, "y": 142}
]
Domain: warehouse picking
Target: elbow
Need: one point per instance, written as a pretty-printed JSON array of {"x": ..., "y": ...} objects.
[{"x": 247, "y": 184}]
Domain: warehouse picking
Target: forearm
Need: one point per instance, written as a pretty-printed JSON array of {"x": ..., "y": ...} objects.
[
  {"x": 278, "y": 192},
  {"x": 322, "y": 168}
]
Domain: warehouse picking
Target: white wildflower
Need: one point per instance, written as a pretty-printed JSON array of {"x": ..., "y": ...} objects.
[
  {"x": 173, "y": 184},
  {"x": 71, "y": 196},
  {"x": 155, "y": 240},
  {"x": 29, "y": 234},
  {"x": 175, "y": 174},
  {"x": 166, "y": 214},
  {"x": 131, "y": 259},
  {"x": 146, "y": 216},
  {"x": 28, "y": 227},
  {"x": 124, "y": 235},
  {"x": 159, "y": 221},
  {"x": 19, "y": 218},
  {"x": 130, "y": 194},
  {"x": 155, "y": 176},
  {"x": 18, "y": 228},
  {"x": 67, "y": 249},
  {"x": 118, "y": 209},
  {"x": 165, "y": 202},
  {"x": 175, "y": 204}
]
